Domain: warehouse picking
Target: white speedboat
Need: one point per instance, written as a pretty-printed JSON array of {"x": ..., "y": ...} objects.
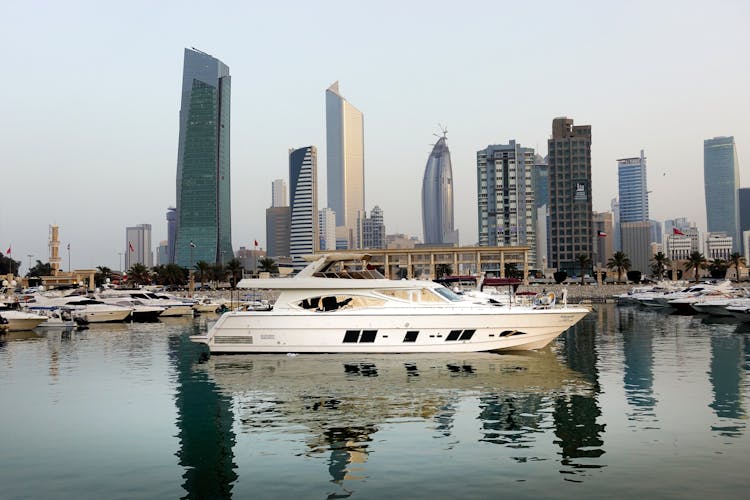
[
  {"x": 91, "y": 310},
  {"x": 206, "y": 305},
  {"x": 172, "y": 306},
  {"x": 18, "y": 321},
  {"x": 141, "y": 312},
  {"x": 337, "y": 305}
]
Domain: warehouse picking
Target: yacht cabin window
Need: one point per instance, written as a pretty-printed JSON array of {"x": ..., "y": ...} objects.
[{"x": 336, "y": 302}]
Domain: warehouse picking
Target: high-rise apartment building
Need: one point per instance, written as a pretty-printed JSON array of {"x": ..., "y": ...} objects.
[
  {"x": 721, "y": 174},
  {"x": 138, "y": 246},
  {"x": 278, "y": 193},
  {"x": 371, "y": 230},
  {"x": 506, "y": 207},
  {"x": 327, "y": 229},
  {"x": 437, "y": 197},
  {"x": 303, "y": 198},
  {"x": 345, "y": 162},
  {"x": 204, "y": 221},
  {"x": 171, "y": 233},
  {"x": 570, "y": 194}
]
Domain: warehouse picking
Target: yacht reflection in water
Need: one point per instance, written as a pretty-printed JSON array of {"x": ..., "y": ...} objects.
[{"x": 337, "y": 402}]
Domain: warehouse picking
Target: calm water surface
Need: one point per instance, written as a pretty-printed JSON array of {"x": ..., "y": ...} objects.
[{"x": 629, "y": 402}]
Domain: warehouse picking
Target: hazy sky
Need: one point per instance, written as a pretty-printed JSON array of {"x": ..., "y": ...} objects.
[{"x": 90, "y": 95}]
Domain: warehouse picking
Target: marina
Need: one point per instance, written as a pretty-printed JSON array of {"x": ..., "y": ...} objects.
[{"x": 629, "y": 399}]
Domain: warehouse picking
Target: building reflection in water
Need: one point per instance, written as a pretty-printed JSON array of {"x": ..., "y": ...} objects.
[
  {"x": 579, "y": 435},
  {"x": 637, "y": 345},
  {"x": 727, "y": 357},
  {"x": 204, "y": 422}
]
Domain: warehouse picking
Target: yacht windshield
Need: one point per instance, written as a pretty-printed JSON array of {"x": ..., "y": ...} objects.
[{"x": 448, "y": 294}]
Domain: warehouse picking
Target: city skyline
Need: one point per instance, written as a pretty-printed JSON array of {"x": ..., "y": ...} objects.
[{"x": 75, "y": 144}]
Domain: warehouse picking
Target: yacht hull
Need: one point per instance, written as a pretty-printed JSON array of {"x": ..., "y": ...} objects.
[{"x": 444, "y": 329}]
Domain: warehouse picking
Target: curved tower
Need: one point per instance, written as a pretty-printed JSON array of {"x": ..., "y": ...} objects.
[{"x": 437, "y": 197}]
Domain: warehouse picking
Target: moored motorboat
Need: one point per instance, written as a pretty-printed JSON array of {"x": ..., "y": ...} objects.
[
  {"x": 338, "y": 305},
  {"x": 18, "y": 321}
]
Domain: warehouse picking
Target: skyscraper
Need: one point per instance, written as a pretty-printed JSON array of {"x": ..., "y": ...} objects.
[
  {"x": 721, "y": 175},
  {"x": 203, "y": 177},
  {"x": 633, "y": 190},
  {"x": 571, "y": 229},
  {"x": 437, "y": 197},
  {"x": 303, "y": 198},
  {"x": 743, "y": 196},
  {"x": 277, "y": 232},
  {"x": 171, "y": 233},
  {"x": 278, "y": 193},
  {"x": 327, "y": 229},
  {"x": 371, "y": 230},
  {"x": 345, "y": 162},
  {"x": 540, "y": 186},
  {"x": 138, "y": 246},
  {"x": 506, "y": 206}
]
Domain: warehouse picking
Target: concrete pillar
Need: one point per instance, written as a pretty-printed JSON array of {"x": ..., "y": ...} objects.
[
  {"x": 409, "y": 268},
  {"x": 502, "y": 263},
  {"x": 525, "y": 267}
]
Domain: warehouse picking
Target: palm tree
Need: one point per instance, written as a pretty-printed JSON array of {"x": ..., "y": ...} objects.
[
  {"x": 40, "y": 269},
  {"x": 443, "y": 270},
  {"x": 735, "y": 261},
  {"x": 203, "y": 268},
  {"x": 138, "y": 274},
  {"x": 584, "y": 261},
  {"x": 268, "y": 265},
  {"x": 218, "y": 273},
  {"x": 696, "y": 261},
  {"x": 102, "y": 274},
  {"x": 8, "y": 265},
  {"x": 660, "y": 264},
  {"x": 620, "y": 262},
  {"x": 234, "y": 267},
  {"x": 170, "y": 274}
]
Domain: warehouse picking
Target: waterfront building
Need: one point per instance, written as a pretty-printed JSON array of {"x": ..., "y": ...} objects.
[
  {"x": 138, "y": 246},
  {"x": 743, "y": 197},
  {"x": 505, "y": 197},
  {"x": 303, "y": 203},
  {"x": 162, "y": 253},
  {"x": 570, "y": 208},
  {"x": 603, "y": 248},
  {"x": 437, "y": 197},
  {"x": 171, "y": 233},
  {"x": 371, "y": 230},
  {"x": 345, "y": 163},
  {"x": 636, "y": 244},
  {"x": 278, "y": 220},
  {"x": 540, "y": 186},
  {"x": 718, "y": 246},
  {"x": 678, "y": 247},
  {"x": 278, "y": 193},
  {"x": 204, "y": 224},
  {"x": 721, "y": 180},
  {"x": 632, "y": 189}
]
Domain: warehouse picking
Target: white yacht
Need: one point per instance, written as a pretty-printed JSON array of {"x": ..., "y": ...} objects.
[
  {"x": 141, "y": 312},
  {"x": 337, "y": 305},
  {"x": 91, "y": 310},
  {"x": 172, "y": 306},
  {"x": 13, "y": 320}
]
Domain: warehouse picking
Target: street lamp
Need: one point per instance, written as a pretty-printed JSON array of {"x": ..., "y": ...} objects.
[{"x": 30, "y": 256}]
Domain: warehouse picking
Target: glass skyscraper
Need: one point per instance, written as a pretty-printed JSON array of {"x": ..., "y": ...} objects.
[
  {"x": 203, "y": 177},
  {"x": 721, "y": 174},
  {"x": 345, "y": 162},
  {"x": 437, "y": 197},
  {"x": 303, "y": 203},
  {"x": 633, "y": 191}
]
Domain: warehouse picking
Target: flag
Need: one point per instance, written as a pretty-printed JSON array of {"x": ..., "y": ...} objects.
[
  {"x": 69, "y": 246},
  {"x": 130, "y": 246},
  {"x": 256, "y": 243},
  {"x": 192, "y": 245},
  {"x": 8, "y": 251},
  {"x": 601, "y": 234},
  {"x": 677, "y": 231}
]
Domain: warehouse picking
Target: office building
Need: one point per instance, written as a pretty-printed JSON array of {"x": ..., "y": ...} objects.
[
  {"x": 162, "y": 253},
  {"x": 345, "y": 163},
  {"x": 632, "y": 189},
  {"x": 278, "y": 220},
  {"x": 743, "y": 197},
  {"x": 505, "y": 197},
  {"x": 204, "y": 224},
  {"x": 571, "y": 227},
  {"x": 437, "y": 197},
  {"x": 615, "y": 209},
  {"x": 636, "y": 244},
  {"x": 603, "y": 247},
  {"x": 138, "y": 246},
  {"x": 371, "y": 230},
  {"x": 171, "y": 233},
  {"x": 678, "y": 247},
  {"x": 721, "y": 176},
  {"x": 540, "y": 186},
  {"x": 249, "y": 258},
  {"x": 278, "y": 193},
  {"x": 656, "y": 231},
  {"x": 718, "y": 246},
  {"x": 327, "y": 229},
  {"x": 303, "y": 204}
]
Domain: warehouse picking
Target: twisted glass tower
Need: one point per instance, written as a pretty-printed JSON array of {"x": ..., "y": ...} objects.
[
  {"x": 437, "y": 197},
  {"x": 203, "y": 196}
]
